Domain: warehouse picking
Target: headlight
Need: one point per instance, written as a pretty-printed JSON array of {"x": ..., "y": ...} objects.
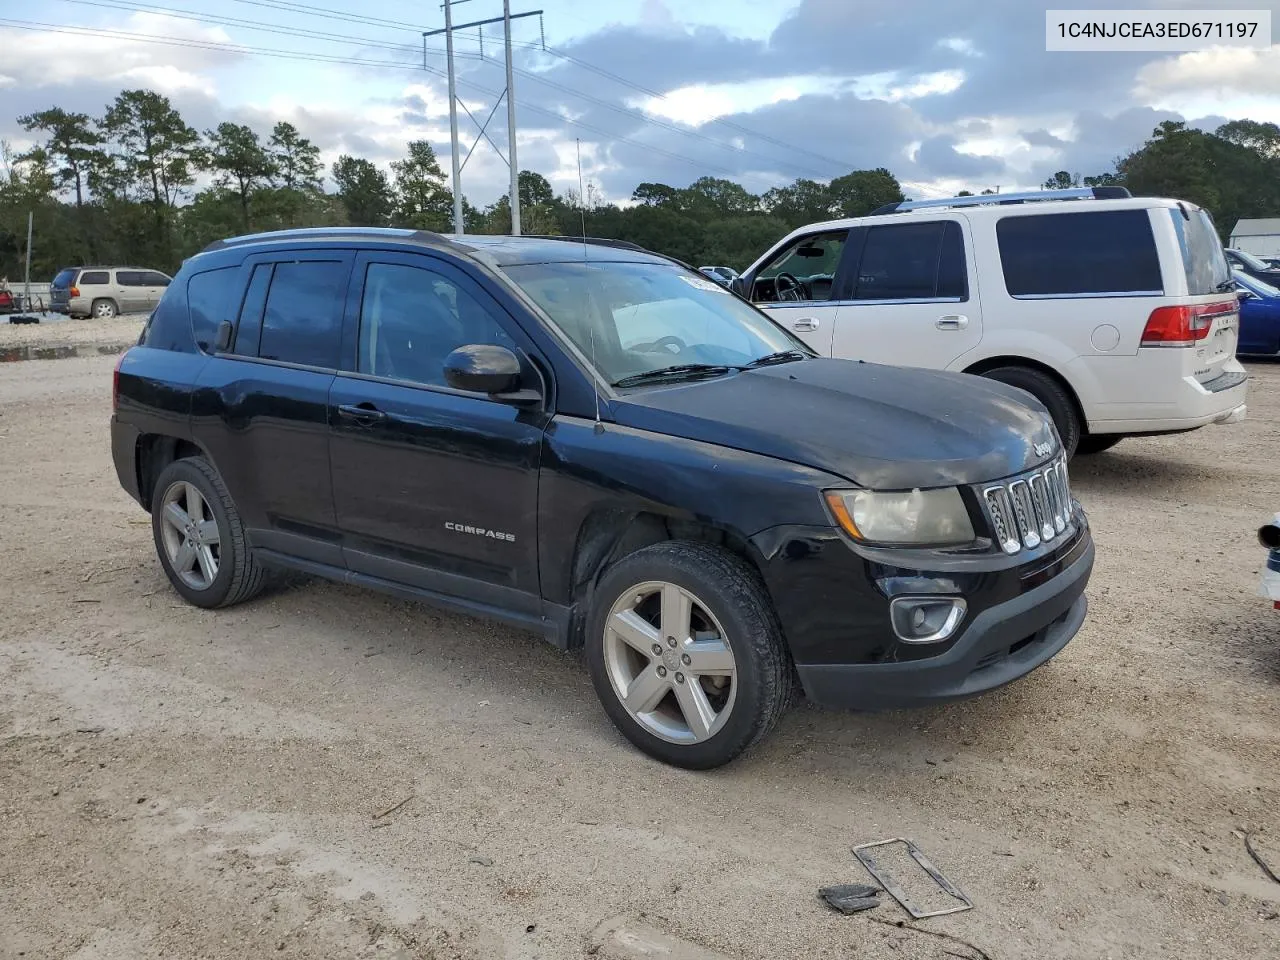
[{"x": 916, "y": 517}]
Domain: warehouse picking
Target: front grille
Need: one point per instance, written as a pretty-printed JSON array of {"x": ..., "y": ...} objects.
[{"x": 1030, "y": 509}]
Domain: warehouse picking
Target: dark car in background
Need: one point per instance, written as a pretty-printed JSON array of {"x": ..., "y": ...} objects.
[
  {"x": 1259, "y": 317},
  {"x": 1253, "y": 266},
  {"x": 598, "y": 444}
]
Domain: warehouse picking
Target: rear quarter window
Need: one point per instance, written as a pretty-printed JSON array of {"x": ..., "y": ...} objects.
[
  {"x": 1097, "y": 253},
  {"x": 92, "y": 278},
  {"x": 208, "y": 297}
]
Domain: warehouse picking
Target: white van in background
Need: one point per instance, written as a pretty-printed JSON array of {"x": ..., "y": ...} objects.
[{"x": 1118, "y": 313}]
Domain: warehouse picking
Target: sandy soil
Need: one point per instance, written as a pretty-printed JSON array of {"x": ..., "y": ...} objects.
[
  {"x": 123, "y": 329},
  {"x": 177, "y": 783}
]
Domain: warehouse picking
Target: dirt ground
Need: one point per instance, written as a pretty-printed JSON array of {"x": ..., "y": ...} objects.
[{"x": 181, "y": 784}]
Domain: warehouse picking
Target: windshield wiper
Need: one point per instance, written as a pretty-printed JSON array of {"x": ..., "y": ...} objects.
[
  {"x": 782, "y": 356},
  {"x": 681, "y": 371},
  {"x": 1225, "y": 285}
]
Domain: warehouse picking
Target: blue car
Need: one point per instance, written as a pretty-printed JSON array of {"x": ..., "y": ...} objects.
[{"x": 1259, "y": 317}]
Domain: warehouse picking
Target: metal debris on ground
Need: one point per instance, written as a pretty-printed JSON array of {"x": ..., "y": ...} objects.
[
  {"x": 851, "y": 897},
  {"x": 895, "y": 889},
  {"x": 1257, "y": 858}
]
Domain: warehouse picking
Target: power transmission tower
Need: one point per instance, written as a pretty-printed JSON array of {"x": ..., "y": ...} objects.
[{"x": 454, "y": 102}]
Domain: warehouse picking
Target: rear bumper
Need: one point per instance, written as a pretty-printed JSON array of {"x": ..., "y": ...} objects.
[
  {"x": 1001, "y": 644},
  {"x": 124, "y": 454}
]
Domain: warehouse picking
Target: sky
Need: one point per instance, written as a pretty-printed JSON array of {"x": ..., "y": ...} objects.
[{"x": 947, "y": 94}]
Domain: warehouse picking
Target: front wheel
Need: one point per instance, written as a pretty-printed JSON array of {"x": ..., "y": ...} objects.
[{"x": 686, "y": 654}]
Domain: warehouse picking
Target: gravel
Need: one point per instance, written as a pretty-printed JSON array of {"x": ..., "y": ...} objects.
[{"x": 225, "y": 805}]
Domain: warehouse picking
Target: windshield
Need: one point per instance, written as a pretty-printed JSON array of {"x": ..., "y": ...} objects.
[
  {"x": 634, "y": 318},
  {"x": 1257, "y": 286},
  {"x": 1202, "y": 257}
]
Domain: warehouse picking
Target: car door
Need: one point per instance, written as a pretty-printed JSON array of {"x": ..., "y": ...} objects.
[
  {"x": 155, "y": 285},
  {"x": 260, "y": 407},
  {"x": 434, "y": 487},
  {"x": 801, "y": 285},
  {"x": 129, "y": 291},
  {"x": 910, "y": 301}
]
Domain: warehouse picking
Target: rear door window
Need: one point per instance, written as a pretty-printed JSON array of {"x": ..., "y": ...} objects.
[
  {"x": 302, "y": 322},
  {"x": 1202, "y": 256},
  {"x": 92, "y": 278},
  {"x": 913, "y": 261},
  {"x": 152, "y": 278},
  {"x": 1094, "y": 254},
  {"x": 129, "y": 278}
]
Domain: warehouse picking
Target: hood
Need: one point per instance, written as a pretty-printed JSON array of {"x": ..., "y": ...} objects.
[{"x": 881, "y": 427}]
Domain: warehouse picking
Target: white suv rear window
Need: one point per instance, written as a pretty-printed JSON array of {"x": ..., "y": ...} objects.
[
  {"x": 1096, "y": 254},
  {"x": 1206, "y": 265}
]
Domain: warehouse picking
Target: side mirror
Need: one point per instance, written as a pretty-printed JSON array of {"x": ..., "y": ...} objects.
[{"x": 485, "y": 368}]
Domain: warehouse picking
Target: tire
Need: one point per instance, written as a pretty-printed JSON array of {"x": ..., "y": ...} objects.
[
  {"x": 1100, "y": 443},
  {"x": 1052, "y": 394},
  {"x": 735, "y": 625},
  {"x": 104, "y": 309},
  {"x": 236, "y": 576}
]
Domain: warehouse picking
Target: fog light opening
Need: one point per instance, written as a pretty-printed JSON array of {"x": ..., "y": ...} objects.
[{"x": 926, "y": 619}]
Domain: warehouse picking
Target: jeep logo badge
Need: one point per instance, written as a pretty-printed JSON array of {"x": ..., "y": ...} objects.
[{"x": 1043, "y": 449}]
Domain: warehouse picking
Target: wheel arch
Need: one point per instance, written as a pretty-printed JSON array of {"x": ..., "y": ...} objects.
[
  {"x": 155, "y": 451},
  {"x": 608, "y": 535}
]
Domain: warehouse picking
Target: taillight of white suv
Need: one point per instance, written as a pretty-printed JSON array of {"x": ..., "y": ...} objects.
[{"x": 1184, "y": 326}]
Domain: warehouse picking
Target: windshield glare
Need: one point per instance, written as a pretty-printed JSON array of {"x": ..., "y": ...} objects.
[{"x": 633, "y": 318}]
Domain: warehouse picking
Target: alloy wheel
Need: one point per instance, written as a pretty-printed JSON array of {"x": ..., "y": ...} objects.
[
  {"x": 669, "y": 662},
  {"x": 190, "y": 533}
]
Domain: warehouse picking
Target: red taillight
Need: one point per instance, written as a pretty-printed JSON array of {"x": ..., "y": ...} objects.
[
  {"x": 75, "y": 291},
  {"x": 115, "y": 384},
  {"x": 1186, "y": 325}
]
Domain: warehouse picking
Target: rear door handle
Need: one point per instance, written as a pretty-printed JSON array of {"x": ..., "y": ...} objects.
[
  {"x": 953, "y": 322},
  {"x": 805, "y": 323},
  {"x": 362, "y": 413}
]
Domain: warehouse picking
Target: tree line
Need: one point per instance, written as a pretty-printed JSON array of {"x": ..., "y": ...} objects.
[{"x": 121, "y": 188}]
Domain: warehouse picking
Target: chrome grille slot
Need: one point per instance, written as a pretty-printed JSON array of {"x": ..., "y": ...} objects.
[
  {"x": 1025, "y": 513},
  {"x": 1030, "y": 509},
  {"x": 1038, "y": 482},
  {"x": 1001, "y": 512}
]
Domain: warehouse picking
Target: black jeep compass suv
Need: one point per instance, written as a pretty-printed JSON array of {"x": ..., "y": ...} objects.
[{"x": 596, "y": 443}]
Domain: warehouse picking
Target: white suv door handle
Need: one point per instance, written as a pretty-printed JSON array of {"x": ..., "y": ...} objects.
[
  {"x": 805, "y": 323},
  {"x": 953, "y": 322}
]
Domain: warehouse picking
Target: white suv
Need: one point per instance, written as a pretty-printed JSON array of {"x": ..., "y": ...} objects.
[{"x": 1117, "y": 312}]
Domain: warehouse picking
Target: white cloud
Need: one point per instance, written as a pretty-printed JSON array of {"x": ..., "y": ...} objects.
[{"x": 1222, "y": 70}]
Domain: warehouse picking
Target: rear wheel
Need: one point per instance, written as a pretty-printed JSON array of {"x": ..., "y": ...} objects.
[
  {"x": 104, "y": 309},
  {"x": 1052, "y": 394},
  {"x": 199, "y": 536},
  {"x": 686, "y": 655},
  {"x": 1098, "y": 444}
]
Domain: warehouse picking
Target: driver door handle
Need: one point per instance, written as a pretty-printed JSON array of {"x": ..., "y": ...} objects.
[
  {"x": 365, "y": 414},
  {"x": 805, "y": 323},
  {"x": 952, "y": 322}
]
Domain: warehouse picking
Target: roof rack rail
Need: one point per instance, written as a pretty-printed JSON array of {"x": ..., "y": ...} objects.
[
  {"x": 1032, "y": 196},
  {"x": 609, "y": 242}
]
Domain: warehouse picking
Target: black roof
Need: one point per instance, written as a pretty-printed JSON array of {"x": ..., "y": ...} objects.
[{"x": 502, "y": 250}]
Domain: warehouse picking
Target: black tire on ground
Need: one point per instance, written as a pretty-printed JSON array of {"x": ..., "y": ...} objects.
[
  {"x": 239, "y": 577},
  {"x": 734, "y": 594},
  {"x": 1052, "y": 394},
  {"x": 104, "y": 308},
  {"x": 1097, "y": 444}
]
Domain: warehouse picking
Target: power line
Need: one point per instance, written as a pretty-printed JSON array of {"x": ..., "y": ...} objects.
[
  {"x": 378, "y": 44},
  {"x": 273, "y": 53}
]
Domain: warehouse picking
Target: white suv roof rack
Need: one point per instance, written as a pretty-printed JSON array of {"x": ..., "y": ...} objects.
[{"x": 1079, "y": 193}]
